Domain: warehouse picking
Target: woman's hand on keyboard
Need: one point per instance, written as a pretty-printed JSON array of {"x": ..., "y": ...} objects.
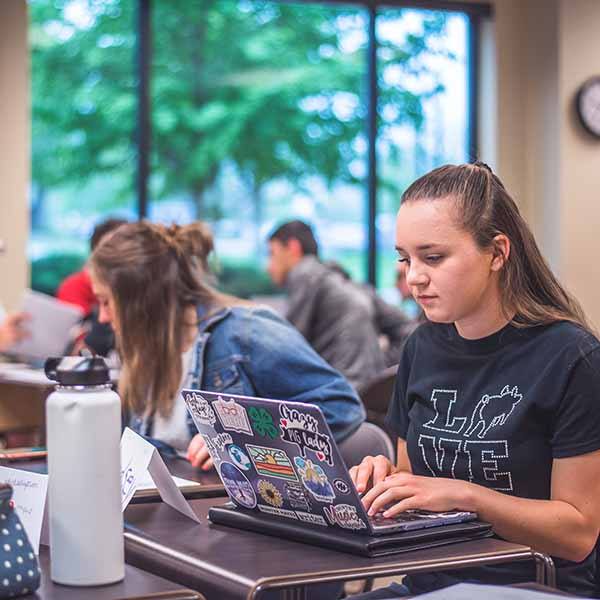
[
  {"x": 198, "y": 455},
  {"x": 403, "y": 491},
  {"x": 372, "y": 470}
]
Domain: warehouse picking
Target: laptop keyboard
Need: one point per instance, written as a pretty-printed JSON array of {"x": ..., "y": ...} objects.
[{"x": 403, "y": 517}]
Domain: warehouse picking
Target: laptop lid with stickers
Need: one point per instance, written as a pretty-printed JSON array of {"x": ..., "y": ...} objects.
[{"x": 279, "y": 459}]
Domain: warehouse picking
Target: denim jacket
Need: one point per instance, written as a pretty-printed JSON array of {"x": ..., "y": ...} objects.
[{"x": 253, "y": 352}]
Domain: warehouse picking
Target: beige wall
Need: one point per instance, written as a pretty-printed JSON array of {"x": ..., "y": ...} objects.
[
  {"x": 519, "y": 81},
  {"x": 579, "y": 59},
  {"x": 14, "y": 149},
  {"x": 544, "y": 49}
]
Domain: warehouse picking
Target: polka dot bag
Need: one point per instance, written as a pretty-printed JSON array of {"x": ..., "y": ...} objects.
[{"x": 19, "y": 571}]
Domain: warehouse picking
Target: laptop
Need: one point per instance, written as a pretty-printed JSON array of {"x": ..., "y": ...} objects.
[{"x": 278, "y": 458}]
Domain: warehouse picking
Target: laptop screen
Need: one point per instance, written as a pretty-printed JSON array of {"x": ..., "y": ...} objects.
[{"x": 277, "y": 458}]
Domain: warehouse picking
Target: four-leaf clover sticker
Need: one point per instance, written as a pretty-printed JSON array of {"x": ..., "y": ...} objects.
[{"x": 263, "y": 422}]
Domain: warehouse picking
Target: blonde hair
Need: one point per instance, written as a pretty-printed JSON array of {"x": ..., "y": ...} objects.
[
  {"x": 528, "y": 288},
  {"x": 155, "y": 273}
]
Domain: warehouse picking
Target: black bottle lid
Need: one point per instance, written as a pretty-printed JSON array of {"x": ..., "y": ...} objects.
[{"x": 77, "y": 370}]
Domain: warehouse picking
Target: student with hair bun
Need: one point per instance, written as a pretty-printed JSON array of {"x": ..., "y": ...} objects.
[
  {"x": 173, "y": 331},
  {"x": 497, "y": 397}
]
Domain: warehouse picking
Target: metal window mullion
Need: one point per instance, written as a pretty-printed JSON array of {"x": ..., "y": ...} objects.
[
  {"x": 473, "y": 88},
  {"x": 372, "y": 145},
  {"x": 143, "y": 116}
]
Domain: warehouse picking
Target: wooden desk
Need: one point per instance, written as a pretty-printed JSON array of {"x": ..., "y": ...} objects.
[
  {"x": 223, "y": 562},
  {"x": 212, "y": 486},
  {"x": 137, "y": 585},
  {"x": 22, "y": 405}
]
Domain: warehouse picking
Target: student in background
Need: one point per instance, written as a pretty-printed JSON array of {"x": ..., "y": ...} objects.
[
  {"x": 175, "y": 331},
  {"x": 77, "y": 288},
  {"x": 497, "y": 397},
  {"x": 342, "y": 321}
]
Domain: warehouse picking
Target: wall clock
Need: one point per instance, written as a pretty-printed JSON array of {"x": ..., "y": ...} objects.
[{"x": 587, "y": 104}]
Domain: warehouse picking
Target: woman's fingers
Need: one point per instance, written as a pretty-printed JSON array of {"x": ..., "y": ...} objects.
[
  {"x": 403, "y": 491},
  {"x": 198, "y": 454},
  {"x": 382, "y": 467},
  {"x": 196, "y": 443},
  {"x": 387, "y": 497},
  {"x": 372, "y": 469},
  {"x": 207, "y": 464},
  {"x": 200, "y": 458},
  {"x": 409, "y": 503},
  {"x": 398, "y": 480},
  {"x": 363, "y": 474}
]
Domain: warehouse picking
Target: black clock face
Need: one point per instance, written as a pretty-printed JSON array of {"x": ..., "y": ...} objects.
[{"x": 588, "y": 105}]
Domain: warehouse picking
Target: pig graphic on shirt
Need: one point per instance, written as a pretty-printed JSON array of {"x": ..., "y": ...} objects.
[{"x": 492, "y": 411}]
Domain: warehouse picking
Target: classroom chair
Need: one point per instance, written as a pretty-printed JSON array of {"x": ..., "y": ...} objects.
[
  {"x": 367, "y": 440},
  {"x": 376, "y": 394}
]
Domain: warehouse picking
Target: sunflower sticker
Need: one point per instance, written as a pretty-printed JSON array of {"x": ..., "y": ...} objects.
[{"x": 269, "y": 493}]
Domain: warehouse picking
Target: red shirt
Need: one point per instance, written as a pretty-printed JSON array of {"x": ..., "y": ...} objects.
[{"x": 77, "y": 289}]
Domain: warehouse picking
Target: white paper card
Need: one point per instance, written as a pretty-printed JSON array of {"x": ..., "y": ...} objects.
[
  {"x": 148, "y": 483},
  {"x": 29, "y": 497},
  {"x": 140, "y": 458},
  {"x": 168, "y": 490}
]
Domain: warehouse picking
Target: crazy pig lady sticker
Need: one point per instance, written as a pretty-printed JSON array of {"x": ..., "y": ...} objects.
[{"x": 302, "y": 429}]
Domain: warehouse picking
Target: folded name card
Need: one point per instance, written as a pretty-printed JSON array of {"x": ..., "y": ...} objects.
[
  {"x": 29, "y": 498},
  {"x": 139, "y": 458}
]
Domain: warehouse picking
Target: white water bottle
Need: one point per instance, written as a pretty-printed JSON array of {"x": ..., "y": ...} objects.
[{"x": 83, "y": 430}]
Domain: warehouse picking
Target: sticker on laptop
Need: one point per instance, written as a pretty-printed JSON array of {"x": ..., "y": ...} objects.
[
  {"x": 232, "y": 415},
  {"x": 239, "y": 457},
  {"x": 269, "y": 493},
  {"x": 222, "y": 440},
  {"x": 296, "y": 496},
  {"x": 345, "y": 516},
  {"x": 262, "y": 421},
  {"x": 280, "y": 512},
  {"x": 314, "y": 480},
  {"x": 212, "y": 448},
  {"x": 271, "y": 462},
  {"x": 310, "y": 518},
  {"x": 200, "y": 408},
  {"x": 238, "y": 487},
  {"x": 302, "y": 429},
  {"x": 341, "y": 486}
]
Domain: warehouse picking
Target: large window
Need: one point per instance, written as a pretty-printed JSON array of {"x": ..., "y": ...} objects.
[
  {"x": 257, "y": 117},
  {"x": 83, "y": 128},
  {"x": 260, "y": 112},
  {"x": 423, "y": 109}
]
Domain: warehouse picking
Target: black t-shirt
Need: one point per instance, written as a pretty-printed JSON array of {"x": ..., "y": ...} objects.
[{"x": 496, "y": 411}]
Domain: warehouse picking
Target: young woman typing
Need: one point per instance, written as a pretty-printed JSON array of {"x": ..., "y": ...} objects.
[{"x": 497, "y": 398}]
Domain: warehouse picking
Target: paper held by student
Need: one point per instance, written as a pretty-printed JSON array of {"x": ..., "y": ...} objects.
[{"x": 50, "y": 326}]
